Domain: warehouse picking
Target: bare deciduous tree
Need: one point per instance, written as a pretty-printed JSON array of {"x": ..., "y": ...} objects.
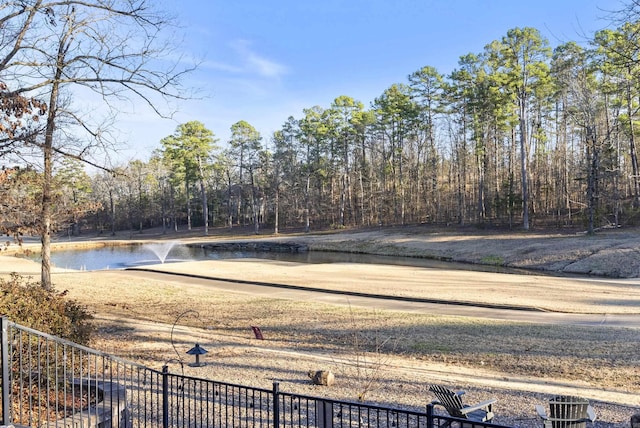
[{"x": 68, "y": 53}]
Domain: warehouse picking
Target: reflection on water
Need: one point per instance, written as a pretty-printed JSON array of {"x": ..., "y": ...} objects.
[{"x": 122, "y": 257}]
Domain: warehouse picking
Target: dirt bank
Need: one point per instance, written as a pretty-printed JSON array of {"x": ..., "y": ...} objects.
[{"x": 611, "y": 253}]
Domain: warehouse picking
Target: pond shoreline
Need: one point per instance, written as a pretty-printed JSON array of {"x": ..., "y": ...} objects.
[
  {"x": 613, "y": 253},
  {"x": 126, "y": 255}
]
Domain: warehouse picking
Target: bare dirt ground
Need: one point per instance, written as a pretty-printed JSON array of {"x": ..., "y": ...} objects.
[{"x": 388, "y": 356}]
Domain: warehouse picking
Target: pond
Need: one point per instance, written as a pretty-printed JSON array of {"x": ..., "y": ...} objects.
[{"x": 128, "y": 256}]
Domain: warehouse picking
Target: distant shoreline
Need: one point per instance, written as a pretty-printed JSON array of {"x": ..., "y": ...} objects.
[{"x": 611, "y": 253}]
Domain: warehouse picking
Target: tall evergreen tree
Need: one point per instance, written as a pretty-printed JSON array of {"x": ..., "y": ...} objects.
[
  {"x": 245, "y": 147},
  {"x": 189, "y": 150},
  {"x": 621, "y": 50},
  {"x": 345, "y": 111},
  {"x": 427, "y": 87},
  {"x": 524, "y": 56}
]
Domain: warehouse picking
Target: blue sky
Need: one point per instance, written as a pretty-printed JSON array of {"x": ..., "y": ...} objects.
[{"x": 263, "y": 61}]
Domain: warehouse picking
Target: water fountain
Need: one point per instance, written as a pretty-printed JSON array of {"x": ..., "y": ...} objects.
[{"x": 160, "y": 249}]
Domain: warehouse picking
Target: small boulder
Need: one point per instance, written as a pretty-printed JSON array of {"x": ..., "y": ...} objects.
[
  {"x": 323, "y": 377},
  {"x": 635, "y": 421}
]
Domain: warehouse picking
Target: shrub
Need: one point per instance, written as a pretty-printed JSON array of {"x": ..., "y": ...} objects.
[{"x": 25, "y": 302}]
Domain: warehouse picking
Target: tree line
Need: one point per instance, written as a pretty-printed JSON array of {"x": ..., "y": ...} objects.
[{"x": 517, "y": 134}]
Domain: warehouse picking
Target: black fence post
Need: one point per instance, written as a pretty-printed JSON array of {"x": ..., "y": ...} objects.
[
  {"x": 165, "y": 396},
  {"x": 324, "y": 414},
  {"x": 6, "y": 388},
  {"x": 430, "y": 421},
  {"x": 276, "y": 405}
]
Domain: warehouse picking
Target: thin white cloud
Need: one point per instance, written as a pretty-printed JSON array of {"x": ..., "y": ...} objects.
[
  {"x": 265, "y": 67},
  {"x": 220, "y": 66},
  {"x": 255, "y": 63},
  {"x": 244, "y": 61}
]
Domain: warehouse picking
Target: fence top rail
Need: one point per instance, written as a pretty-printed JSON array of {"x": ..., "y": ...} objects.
[
  {"x": 371, "y": 406},
  {"x": 215, "y": 382},
  {"x": 86, "y": 349}
]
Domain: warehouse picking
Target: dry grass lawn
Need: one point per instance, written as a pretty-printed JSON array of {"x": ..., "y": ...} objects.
[{"x": 607, "y": 357}]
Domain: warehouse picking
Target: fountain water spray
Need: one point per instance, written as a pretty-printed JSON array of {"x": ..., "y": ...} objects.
[{"x": 160, "y": 249}]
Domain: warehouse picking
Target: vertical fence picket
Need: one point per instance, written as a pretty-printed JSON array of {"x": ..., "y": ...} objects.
[{"x": 6, "y": 409}]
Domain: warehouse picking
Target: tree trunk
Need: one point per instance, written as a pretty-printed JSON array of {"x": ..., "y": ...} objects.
[
  {"x": 523, "y": 162},
  {"x": 45, "y": 274},
  {"x": 205, "y": 206},
  {"x": 163, "y": 207},
  {"x": 229, "y": 204},
  {"x": 254, "y": 203},
  {"x": 186, "y": 192},
  {"x": 361, "y": 191},
  {"x": 307, "y": 203},
  {"x": 343, "y": 200},
  {"x": 276, "y": 208},
  {"x": 203, "y": 196},
  {"x": 592, "y": 179},
  {"x": 174, "y": 213},
  {"x": 112, "y": 207}
]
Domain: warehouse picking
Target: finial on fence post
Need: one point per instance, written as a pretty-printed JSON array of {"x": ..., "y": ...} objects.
[
  {"x": 276, "y": 404},
  {"x": 430, "y": 421},
  {"x": 165, "y": 396}
]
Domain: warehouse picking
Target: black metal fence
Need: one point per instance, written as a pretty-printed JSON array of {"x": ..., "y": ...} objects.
[{"x": 50, "y": 382}]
